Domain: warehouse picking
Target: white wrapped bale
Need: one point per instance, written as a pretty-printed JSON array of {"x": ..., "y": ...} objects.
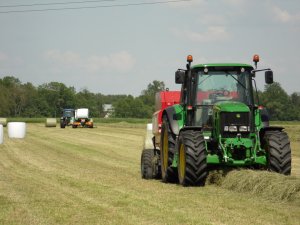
[
  {"x": 1, "y": 134},
  {"x": 148, "y": 144},
  {"x": 50, "y": 122},
  {"x": 82, "y": 113},
  {"x": 16, "y": 129}
]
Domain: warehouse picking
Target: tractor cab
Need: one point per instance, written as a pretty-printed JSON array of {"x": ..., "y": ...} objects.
[{"x": 217, "y": 86}]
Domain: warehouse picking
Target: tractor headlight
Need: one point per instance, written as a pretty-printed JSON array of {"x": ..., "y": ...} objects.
[
  {"x": 243, "y": 128},
  {"x": 232, "y": 128},
  {"x": 226, "y": 128}
]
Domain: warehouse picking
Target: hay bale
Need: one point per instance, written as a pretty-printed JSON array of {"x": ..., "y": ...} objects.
[
  {"x": 271, "y": 186},
  {"x": 148, "y": 143},
  {"x": 16, "y": 129},
  {"x": 1, "y": 134},
  {"x": 50, "y": 122},
  {"x": 3, "y": 121}
]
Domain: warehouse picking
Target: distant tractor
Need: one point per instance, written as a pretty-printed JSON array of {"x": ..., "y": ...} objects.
[
  {"x": 65, "y": 119},
  {"x": 217, "y": 123},
  {"x": 82, "y": 119}
]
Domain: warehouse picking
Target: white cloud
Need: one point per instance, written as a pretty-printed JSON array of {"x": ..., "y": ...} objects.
[
  {"x": 67, "y": 58},
  {"x": 212, "y": 34},
  {"x": 284, "y": 16},
  {"x": 121, "y": 61}
]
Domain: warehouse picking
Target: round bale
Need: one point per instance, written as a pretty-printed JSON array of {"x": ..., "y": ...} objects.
[
  {"x": 1, "y": 134},
  {"x": 3, "y": 121},
  {"x": 16, "y": 129},
  {"x": 50, "y": 122}
]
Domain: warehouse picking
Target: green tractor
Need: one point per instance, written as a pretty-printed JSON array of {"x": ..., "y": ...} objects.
[
  {"x": 217, "y": 124},
  {"x": 66, "y": 116}
]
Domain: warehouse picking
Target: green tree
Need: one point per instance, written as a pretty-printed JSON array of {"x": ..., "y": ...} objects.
[
  {"x": 148, "y": 95},
  {"x": 57, "y": 96},
  {"x": 277, "y": 101},
  {"x": 131, "y": 107}
]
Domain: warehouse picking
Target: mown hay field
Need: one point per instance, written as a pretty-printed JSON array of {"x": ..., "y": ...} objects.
[{"x": 92, "y": 176}]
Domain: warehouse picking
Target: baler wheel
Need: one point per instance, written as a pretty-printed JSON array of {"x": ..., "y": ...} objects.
[
  {"x": 192, "y": 166},
  {"x": 277, "y": 146},
  {"x": 167, "y": 150},
  {"x": 146, "y": 164}
]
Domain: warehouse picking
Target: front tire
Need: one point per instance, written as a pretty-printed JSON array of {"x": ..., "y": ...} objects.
[
  {"x": 192, "y": 165},
  {"x": 62, "y": 124},
  {"x": 277, "y": 146}
]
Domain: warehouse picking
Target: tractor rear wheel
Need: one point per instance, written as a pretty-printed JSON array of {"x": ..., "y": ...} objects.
[
  {"x": 277, "y": 146},
  {"x": 192, "y": 166},
  {"x": 167, "y": 151},
  {"x": 146, "y": 164}
]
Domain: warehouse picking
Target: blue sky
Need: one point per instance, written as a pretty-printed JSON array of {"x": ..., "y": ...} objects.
[{"x": 120, "y": 50}]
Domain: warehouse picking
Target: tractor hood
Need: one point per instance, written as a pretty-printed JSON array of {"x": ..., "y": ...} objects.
[{"x": 231, "y": 106}]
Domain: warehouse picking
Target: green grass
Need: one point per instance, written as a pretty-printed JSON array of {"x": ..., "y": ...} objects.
[{"x": 92, "y": 176}]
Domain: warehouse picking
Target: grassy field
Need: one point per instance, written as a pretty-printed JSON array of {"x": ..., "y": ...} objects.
[{"x": 92, "y": 176}]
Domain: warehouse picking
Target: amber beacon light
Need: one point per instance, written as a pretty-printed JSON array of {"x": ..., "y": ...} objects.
[{"x": 190, "y": 58}]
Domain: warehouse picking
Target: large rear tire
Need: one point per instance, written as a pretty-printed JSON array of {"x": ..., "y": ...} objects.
[
  {"x": 146, "y": 164},
  {"x": 167, "y": 151},
  {"x": 277, "y": 146},
  {"x": 192, "y": 165}
]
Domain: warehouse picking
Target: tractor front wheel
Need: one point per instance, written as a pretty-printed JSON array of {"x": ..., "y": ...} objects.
[
  {"x": 277, "y": 146},
  {"x": 192, "y": 166},
  {"x": 62, "y": 124}
]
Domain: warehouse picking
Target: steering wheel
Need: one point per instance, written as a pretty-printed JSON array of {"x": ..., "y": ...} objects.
[
  {"x": 219, "y": 93},
  {"x": 226, "y": 93}
]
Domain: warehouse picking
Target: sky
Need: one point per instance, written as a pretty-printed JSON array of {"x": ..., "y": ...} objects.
[{"x": 121, "y": 49}]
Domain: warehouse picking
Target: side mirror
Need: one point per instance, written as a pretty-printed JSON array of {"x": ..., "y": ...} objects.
[
  {"x": 179, "y": 76},
  {"x": 269, "y": 77}
]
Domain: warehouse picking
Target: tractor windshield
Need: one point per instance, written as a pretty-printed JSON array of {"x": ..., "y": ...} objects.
[
  {"x": 216, "y": 86},
  {"x": 223, "y": 86},
  {"x": 68, "y": 113}
]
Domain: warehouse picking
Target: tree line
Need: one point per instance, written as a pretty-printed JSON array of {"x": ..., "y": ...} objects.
[{"x": 47, "y": 100}]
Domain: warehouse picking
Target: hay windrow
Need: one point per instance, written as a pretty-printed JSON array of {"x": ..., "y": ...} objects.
[{"x": 271, "y": 186}]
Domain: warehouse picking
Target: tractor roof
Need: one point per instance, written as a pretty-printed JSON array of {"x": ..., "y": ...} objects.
[{"x": 221, "y": 65}]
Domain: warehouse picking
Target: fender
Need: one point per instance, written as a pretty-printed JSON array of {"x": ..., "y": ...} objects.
[
  {"x": 175, "y": 118},
  {"x": 273, "y": 128}
]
